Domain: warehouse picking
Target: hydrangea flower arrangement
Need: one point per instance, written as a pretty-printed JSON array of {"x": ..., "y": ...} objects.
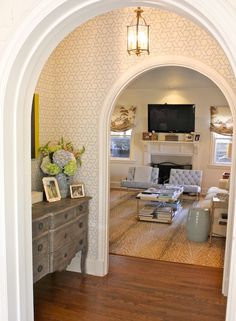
[{"x": 60, "y": 158}]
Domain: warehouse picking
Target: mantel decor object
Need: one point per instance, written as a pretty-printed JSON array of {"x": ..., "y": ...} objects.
[
  {"x": 62, "y": 161},
  {"x": 189, "y": 137},
  {"x": 147, "y": 136},
  {"x": 154, "y": 136}
]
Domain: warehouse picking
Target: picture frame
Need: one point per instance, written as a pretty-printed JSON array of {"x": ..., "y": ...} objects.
[
  {"x": 197, "y": 137},
  {"x": 189, "y": 137},
  {"x": 77, "y": 190},
  {"x": 147, "y": 136},
  {"x": 51, "y": 189}
]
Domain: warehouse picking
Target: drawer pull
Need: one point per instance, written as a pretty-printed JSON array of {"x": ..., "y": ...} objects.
[
  {"x": 40, "y": 268},
  {"x": 81, "y": 242},
  {"x": 40, "y": 247},
  {"x": 81, "y": 224},
  {"x": 65, "y": 235},
  {"x": 66, "y": 216},
  {"x": 65, "y": 255},
  {"x": 40, "y": 226},
  {"x": 81, "y": 207}
]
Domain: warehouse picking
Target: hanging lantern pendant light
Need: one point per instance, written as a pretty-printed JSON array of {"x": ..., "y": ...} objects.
[{"x": 138, "y": 35}]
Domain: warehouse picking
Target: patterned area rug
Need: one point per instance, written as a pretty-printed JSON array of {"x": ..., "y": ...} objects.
[{"x": 167, "y": 242}]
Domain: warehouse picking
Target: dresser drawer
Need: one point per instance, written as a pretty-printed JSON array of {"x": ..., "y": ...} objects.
[
  {"x": 40, "y": 226},
  {"x": 82, "y": 241},
  {"x": 81, "y": 225},
  {"x": 62, "y": 235},
  {"x": 82, "y": 208},
  {"x": 40, "y": 246},
  {"x": 62, "y": 217},
  {"x": 60, "y": 259},
  {"x": 40, "y": 267},
  {"x": 67, "y": 233}
]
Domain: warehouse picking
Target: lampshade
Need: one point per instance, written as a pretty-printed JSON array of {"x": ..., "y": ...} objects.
[{"x": 138, "y": 35}]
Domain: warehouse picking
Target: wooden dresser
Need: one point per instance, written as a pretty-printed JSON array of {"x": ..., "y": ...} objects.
[{"x": 59, "y": 231}]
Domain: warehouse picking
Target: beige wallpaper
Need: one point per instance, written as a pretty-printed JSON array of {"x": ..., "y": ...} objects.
[{"x": 82, "y": 69}]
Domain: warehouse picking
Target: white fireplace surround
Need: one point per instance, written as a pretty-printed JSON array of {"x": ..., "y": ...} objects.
[{"x": 180, "y": 149}]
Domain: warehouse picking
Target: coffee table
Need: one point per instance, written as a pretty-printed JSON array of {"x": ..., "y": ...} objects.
[{"x": 159, "y": 204}]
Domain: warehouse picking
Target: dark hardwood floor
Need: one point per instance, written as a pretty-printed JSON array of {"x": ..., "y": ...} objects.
[{"x": 135, "y": 290}]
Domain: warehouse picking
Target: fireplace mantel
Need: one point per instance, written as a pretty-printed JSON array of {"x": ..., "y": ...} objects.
[{"x": 170, "y": 148}]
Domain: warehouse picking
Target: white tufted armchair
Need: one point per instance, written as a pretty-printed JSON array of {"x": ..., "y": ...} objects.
[
  {"x": 141, "y": 177},
  {"x": 190, "y": 180}
]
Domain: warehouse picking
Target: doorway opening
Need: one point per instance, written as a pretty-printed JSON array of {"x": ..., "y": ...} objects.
[
  {"x": 115, "y": 91},
  {"x": 23, "y": 88},
  {"x": 150, "y": 238}
]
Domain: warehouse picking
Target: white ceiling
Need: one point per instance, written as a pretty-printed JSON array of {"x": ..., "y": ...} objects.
[{"x": 171, "y": 78}]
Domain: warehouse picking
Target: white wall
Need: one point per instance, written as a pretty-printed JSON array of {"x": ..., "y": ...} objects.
[
  {"x": 10, "y": 14},
  {"x": 203, "y": 98}
]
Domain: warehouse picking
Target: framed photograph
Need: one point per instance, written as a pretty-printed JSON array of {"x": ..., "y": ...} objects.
[
  {"x": 147, "y": 136},
  {"x": 197, "y": 137},
  {"x": 189, "y": 137},
  {"x": 51, "y": 189},
  {"x": 77, "y": 191}
]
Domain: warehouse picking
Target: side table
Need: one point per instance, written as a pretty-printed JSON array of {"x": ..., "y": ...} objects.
[{"x": 217, "y": 203}]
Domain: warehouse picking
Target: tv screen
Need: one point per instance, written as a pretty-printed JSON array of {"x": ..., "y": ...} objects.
[{"x": 171, "y": 118}]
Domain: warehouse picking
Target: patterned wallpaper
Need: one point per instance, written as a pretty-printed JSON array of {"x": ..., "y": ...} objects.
[
  {"x": 82, "y": 69},
  {"x": 47, "y": 93}
]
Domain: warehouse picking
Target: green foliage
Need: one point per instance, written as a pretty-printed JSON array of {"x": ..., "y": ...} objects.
[
  {"x": 60, "y": 158},
  {"x": 71, "y": 168}
]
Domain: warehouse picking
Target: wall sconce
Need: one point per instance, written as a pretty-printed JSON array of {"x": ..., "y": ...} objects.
[{"x": 138, "y": 35}]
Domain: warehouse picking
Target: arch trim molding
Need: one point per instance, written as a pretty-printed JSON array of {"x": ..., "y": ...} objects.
[{"x": 19, "y": 70}]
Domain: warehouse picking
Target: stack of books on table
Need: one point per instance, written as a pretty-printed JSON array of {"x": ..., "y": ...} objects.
[
  {"x": 160, "y": 214},
  {"x": 164, "y": 214},
  {"x": 147, "y": 211}
]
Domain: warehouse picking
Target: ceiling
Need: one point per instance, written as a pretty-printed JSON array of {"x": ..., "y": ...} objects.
[{"x": 171, "y": 77}]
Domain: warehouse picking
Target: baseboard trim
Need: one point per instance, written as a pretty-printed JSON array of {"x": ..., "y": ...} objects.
[
  {"x": 93, "y": 267},
  {"x": 225, "y": 287},
  {"x": 115, "y": 184}
]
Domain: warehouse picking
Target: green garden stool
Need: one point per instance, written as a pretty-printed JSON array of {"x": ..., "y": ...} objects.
[{"x": 198, "y": 224}]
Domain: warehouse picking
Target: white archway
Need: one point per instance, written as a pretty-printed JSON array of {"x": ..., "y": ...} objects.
[
  {"x": 105, "y": 115},
  {"x": 28, "y": 50}
]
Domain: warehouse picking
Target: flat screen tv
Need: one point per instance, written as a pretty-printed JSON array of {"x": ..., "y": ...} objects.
[{"x": 171, "y": 118}]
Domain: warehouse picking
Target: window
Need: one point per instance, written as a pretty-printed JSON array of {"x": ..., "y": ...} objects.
[
  {"x": 221, "y": 149},
  {"x": 120, "y": 144}
]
